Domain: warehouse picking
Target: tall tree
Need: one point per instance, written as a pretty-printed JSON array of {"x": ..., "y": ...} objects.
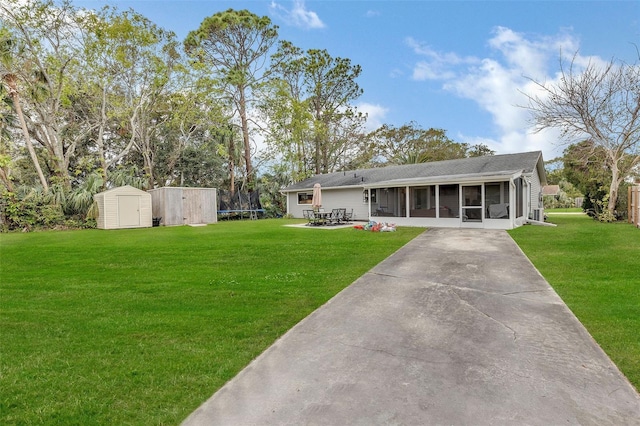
[
  {"x": 285, "y": 107},
  {"x": 48, "y": 35},
  {"x": 10, "y": 80},
  {"x": 332, "y": 86},
  {"x": 309, "y": 109},
  {"x": 187, "y": 151},
  {"x": 598, "y": 103},
  {"x": 409, "y": 144},
  {"x": 235, "y": 44}
]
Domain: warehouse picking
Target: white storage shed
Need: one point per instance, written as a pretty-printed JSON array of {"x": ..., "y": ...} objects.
[
  {"x": 184, "y": 206},
  {"x": 124, "y": 207}
]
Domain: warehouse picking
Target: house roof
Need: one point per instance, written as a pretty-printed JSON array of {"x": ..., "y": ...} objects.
[
  {"x": 551, "y": 190},
  {"x": 463, "y": 169}
]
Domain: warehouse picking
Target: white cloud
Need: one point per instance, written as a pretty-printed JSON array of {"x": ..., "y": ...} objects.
[
  {"x": 497, "y": 83},
  {"x": 376, "y": 114},
  {"x": 437, "y": 65},
  {"x": 297, "y": 16},
  {"x": 372, "y": 13},
  {"x": 521, "y": 140},
  {"x": 424, "y": 70}
]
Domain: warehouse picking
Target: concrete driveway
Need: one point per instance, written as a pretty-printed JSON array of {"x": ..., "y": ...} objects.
[{"x": 455, "y": 328}]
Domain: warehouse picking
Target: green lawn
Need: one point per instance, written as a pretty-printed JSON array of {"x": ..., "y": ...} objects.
[
  {"x": 595, "y": 268},
  {"x": 565, "y": 210},
  {"x": 141, "y": 326}
]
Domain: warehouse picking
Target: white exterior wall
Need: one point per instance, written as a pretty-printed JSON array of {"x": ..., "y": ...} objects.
[
  {"x": 99, "y": 200},
  {"x": 345, "y": 198},
  {"x": 536, "y": 197},
  {"x": 432, "y": 222},
  {"x": 108, "y": 216}
]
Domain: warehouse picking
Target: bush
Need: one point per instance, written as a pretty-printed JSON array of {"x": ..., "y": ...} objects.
[{"x": 30, "y": 212}]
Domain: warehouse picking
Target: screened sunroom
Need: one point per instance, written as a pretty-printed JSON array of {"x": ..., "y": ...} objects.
[{"x": 489, "y": 201}]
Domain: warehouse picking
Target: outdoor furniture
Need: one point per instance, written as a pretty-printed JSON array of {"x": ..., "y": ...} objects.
[
  {"x": 336, "y": 216},
  {"x": 348, "y": 216},
  {"x": 310, "y": 216},
  {"x": 499, "y": 211},
  {"x": 323, "y": 217}
]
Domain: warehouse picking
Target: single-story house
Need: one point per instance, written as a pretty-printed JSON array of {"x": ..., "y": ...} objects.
[{"x": 493, "y": 192}]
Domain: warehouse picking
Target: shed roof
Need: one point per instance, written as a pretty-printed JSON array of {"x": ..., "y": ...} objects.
[
  {"x": 124, "y": 188},
  {"x": 551, "y": 190},
  {"x": 464, "y": 168}
]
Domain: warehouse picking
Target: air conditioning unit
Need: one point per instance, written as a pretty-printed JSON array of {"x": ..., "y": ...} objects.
[{"x": 536, "y": 215}]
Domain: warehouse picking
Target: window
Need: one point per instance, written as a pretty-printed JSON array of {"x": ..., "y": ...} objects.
[
  {"x": 492, "y": 193},
  {"x": 305, "y": 197},
  {"x": 496, "y": 200},
  {"x": 423, "y": 201},
  {"x": 449, "y": 201},
  {"x": 472, "y": 203},
  {"x": 519, "y": 196},
  {"x": 365, "y": 196}
]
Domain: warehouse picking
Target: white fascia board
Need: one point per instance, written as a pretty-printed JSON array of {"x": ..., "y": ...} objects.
[
  {"x": 285, "y": 191},
  {"x": 450, "y": 179}
]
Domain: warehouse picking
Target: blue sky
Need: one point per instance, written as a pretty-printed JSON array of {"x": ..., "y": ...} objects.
[{"x": 454, "y": 65}]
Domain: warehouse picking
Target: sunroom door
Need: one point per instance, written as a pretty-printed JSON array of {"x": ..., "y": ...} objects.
[{"x": 471, "y": 205}]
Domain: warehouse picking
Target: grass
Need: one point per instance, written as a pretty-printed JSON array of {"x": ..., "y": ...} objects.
[
  {"x": 595, "y": 268},
  {"x": 141, "y": 326},
  {"x": 564, "y": 210}
]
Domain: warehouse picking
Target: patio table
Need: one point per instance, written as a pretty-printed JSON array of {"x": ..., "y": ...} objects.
[{"x": 323, "y": 217}]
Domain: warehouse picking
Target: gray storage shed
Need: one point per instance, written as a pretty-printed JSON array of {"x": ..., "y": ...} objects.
[
  {"x": 184, "y": 206},
  {"x": 123, "y": 207}
]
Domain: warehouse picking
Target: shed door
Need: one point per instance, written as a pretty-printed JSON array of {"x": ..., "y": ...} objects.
[
  {"x": 191, "y": 206},
  {"x": 128, "y": 210}
]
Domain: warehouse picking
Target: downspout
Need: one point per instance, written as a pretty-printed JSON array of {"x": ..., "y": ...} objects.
[
  {"x": 286, "y": 194},
  {"x": 529, "y": 212},
  {"x": 512, "y": 202}
]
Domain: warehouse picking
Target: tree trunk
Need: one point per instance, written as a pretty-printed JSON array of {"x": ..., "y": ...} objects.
[
  {"x": 232, "y": 165},
  {"x": 613, "y": 188},
  {"x": 6, "y": 179},
  {"x": 16, "y": 102},
  {"x": 245, "y": 138},
  {"x": 100, "y": 141}
]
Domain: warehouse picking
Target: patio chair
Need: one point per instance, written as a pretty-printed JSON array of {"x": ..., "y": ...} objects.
[
  {"x": 348, "y": 216},
  {"x": 311, "y": 219},
  {"x": 343, "y": 215},
  {"x": 336, "y": 216},
  {"x": 339, "y": 215}
]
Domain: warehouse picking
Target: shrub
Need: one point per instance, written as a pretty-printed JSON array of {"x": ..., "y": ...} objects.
[{"x": 30, "y": 212}]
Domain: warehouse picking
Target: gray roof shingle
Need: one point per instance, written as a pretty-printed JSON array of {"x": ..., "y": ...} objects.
[{"x": 526, "y": 161}]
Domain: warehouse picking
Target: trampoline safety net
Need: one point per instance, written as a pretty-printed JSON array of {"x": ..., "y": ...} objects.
[{"x": 238, "y": 203}]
